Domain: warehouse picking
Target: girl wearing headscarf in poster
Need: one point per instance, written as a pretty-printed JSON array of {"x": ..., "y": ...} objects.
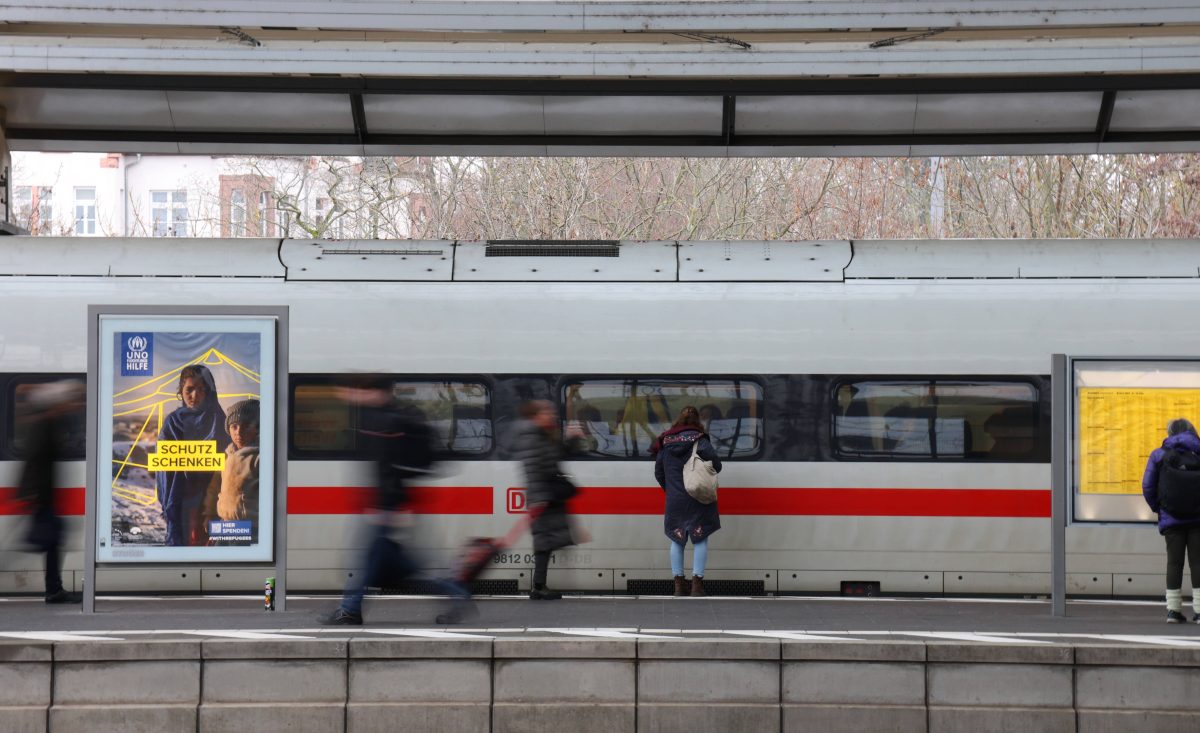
[{"x": 181, "y": 493}]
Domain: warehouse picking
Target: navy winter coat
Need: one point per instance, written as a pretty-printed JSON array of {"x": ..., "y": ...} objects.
[
  {"x": 1182, "y": 441},
  {"x": 684, "y": 517}
]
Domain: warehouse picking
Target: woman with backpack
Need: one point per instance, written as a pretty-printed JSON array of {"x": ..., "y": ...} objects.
[
  {"x": 1166, "y": 473},
  {"x": 684, "y": 517}
]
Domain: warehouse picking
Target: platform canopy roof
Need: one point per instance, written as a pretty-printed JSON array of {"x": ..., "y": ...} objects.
[{"x": 593, "y": 77}]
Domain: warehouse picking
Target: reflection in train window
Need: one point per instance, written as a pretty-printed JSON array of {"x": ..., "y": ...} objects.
[
  {"x": 22, "y": 412},
  {"x": 622, "y": 416},
  {"x": 322, "y": 422},
  {"x": 936, "y": 419},
  {"x": 458, "y": 411},
  {"x": 324, "y": 425}
]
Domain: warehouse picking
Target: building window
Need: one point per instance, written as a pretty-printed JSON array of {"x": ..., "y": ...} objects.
[
  {"x": 936, "y": 419},
  {"x": 169, "y": 214},
  {"x": 621, "y": 416},
  {"x": 237, "y": 213},
  {"x": 23, "y": 206},
  {"x": 85, "y": 211},
  {"x": 264, "y": 213},
  {"x": 34, "y": 207},
  {"x": 283, "y": 224}
]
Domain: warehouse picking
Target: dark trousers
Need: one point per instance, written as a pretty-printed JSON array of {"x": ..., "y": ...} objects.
[
  {"x": 541, "y": 561},
  {"x": 53, "y": 571},
  {"x": 382, "y": 563},
  {"x": 46, "y": 533},
  {"x": 1179, "y": 540}
]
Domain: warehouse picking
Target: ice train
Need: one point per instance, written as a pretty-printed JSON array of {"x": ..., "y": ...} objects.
[{"x": 883, "y": 406}]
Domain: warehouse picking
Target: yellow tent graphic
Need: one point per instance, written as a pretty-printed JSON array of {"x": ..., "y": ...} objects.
[{"x": 147, "y": 399}]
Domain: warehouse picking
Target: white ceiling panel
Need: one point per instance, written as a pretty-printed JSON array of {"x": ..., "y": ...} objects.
[
  {"x": 826, "y": 114},
  {"x": 983, "y": 113},
  {"x": 998, "y": 148},
  {"x": 1176, "y": 109},
  {"x": 454, "y": 114},
  {"x": 247, "y": 112},
  {"x": 640, "y": 115},
  {"x": 97, "y": 109}
]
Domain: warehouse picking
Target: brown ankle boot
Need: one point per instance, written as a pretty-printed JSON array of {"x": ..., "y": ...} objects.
[
  {"x": 680, "y": 588},
  {"x": 698, "y": 586}
]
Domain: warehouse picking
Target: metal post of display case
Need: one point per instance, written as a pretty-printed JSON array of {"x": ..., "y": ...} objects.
[
  {"x": 89, "y": 500},
  {"x": 1060, "y": 390}
]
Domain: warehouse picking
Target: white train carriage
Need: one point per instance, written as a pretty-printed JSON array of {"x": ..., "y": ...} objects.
[{"x": 883, "y": 406}]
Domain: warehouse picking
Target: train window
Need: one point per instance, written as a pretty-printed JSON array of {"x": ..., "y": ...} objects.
[
  {"x": 622, "y": 416},
  {"x": 22, "y": 412},
  {"x": 950, "y": 419},
  {"x": 459, "y": 411},
  {"x": 324, "y": 425}
]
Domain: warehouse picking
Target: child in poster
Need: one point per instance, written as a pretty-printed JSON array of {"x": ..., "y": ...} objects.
[
  {"x": 233, "y": 495},
  {"x": 181, "y": 493}
]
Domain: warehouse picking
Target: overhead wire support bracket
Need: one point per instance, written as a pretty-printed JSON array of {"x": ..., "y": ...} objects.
[
  {"x": 906, "y": 38},
  {"x": 713, "y": 38},
  {"x": 241, "y": 35}
]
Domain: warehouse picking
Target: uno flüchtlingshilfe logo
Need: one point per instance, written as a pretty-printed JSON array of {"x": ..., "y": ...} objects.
[{"x": 137, "y": 354}]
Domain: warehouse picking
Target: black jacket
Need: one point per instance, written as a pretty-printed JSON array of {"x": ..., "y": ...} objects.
[
  {"x": 402, "y": 449},
  {"x": 540, "y": 453},
  {"x": 43, "y": 450}
]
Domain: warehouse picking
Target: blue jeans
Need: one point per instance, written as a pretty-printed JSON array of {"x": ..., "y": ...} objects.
[
  {"x": 699, "y": 558},
  {"x": 375, "y": 562}
]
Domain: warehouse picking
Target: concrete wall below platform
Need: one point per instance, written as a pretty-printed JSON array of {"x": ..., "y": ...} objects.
[{"x": 362, "y": 683}]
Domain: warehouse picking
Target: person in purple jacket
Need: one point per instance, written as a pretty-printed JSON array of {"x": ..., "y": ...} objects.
[{"x": 1182, "y": 535}]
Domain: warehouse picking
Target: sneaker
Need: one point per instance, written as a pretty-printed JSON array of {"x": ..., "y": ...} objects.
[
  {"x": 340, "y": 617},
  {"x": 544, "y": 594},
  {"x": 64, "y": 596},
  {"x": 1175, "y": 617}
]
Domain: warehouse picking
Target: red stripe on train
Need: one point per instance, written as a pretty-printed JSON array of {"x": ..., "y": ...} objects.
[
  {"x": 353, "y": 499},
  {"x": 830, "y": 502},
  {"x": 70, "y": 501},
  {"x": 643, "y": 500}
]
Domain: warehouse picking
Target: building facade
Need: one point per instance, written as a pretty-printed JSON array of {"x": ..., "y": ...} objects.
[{"x": 114, "y": 195}]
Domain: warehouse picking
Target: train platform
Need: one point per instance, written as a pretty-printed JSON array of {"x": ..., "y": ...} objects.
[
  {"x": 983, "y": 620},
  {"x": 603, "y": 664}
]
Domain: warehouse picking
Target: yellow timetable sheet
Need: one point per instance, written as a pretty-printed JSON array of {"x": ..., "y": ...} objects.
[{"x": 1119, "y": 427}]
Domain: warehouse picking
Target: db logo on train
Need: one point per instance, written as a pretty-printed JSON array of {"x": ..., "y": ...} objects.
[{"x": 516, "y": 501}]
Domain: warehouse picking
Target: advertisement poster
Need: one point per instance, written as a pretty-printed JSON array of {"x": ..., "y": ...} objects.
[{"x": 186, "y": 439}]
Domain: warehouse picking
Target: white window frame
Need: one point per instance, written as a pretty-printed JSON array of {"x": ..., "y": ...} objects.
[
  {"x": 237, "y": 213},
  {"x": 85, "y": 211},
  {"x": 264, "y": 213},
  {"x": 174, "y": 201}
]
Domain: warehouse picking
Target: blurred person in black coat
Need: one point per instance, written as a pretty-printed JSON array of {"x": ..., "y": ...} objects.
[
  {"x": 58, "y": 408},
  {"x": 400, "y": 443}
]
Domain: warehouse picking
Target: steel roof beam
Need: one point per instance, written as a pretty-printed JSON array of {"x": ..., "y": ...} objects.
[
  {"x": 583, "y": 15},
  {"x": 1049, "y": 83}
]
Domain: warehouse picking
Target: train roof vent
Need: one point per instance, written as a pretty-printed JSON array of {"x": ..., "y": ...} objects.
[
  {"x": 368, "y": 260},
  {"x": 552, "y": 248},
  {"x": 360, "y": 252}
]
